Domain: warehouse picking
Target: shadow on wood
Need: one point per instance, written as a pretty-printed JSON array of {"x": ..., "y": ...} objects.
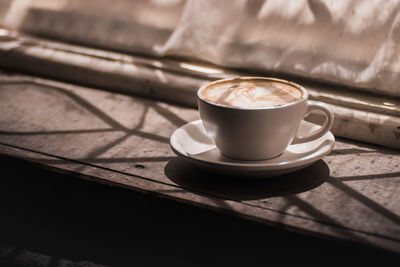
[{"x": 196, "y": 180}]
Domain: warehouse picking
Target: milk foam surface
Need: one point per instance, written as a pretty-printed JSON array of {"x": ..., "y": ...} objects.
[{"x": 251, "y": 93}]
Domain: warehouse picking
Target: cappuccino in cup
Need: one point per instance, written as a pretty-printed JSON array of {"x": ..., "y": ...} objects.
[
  {"x": 251, "y": 93},
  {"x": 257, "y": 118}
]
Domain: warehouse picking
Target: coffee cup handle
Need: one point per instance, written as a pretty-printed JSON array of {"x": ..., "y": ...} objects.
[{"x": 317, "y": 106}]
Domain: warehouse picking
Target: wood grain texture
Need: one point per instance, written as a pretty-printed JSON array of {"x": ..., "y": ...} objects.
[{"x": 353, "y": 193}]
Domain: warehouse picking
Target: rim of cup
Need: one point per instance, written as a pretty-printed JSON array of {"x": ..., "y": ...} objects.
[{"x": 304, "y": 96}]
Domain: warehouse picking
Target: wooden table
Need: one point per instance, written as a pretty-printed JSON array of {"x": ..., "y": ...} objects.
[{"x": 352, "y": 194}]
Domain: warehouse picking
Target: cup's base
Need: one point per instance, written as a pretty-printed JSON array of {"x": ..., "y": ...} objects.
[{"x": 249, "y": 159}]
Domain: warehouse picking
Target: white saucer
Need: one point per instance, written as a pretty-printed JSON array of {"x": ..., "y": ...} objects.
[{"x": 191, "y": 143}]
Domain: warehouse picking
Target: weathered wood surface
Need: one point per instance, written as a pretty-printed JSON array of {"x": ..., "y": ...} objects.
[{"x": 352, "y": 194}]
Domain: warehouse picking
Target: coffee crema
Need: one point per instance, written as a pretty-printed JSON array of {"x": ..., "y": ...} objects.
[{"x": 249, "y": 94}]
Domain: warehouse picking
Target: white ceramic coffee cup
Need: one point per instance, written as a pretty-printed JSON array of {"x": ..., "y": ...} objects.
[{"x": 259, "y": 133}]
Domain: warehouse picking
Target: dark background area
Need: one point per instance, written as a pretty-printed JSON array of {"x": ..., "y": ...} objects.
[{"x": 54, "y": 219}]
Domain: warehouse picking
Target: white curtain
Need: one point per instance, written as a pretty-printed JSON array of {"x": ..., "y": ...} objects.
[{"x": 352, "y": 42}]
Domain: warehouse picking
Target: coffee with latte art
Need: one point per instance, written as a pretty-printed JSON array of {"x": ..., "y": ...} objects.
[{"x": 251, "y": 93}]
